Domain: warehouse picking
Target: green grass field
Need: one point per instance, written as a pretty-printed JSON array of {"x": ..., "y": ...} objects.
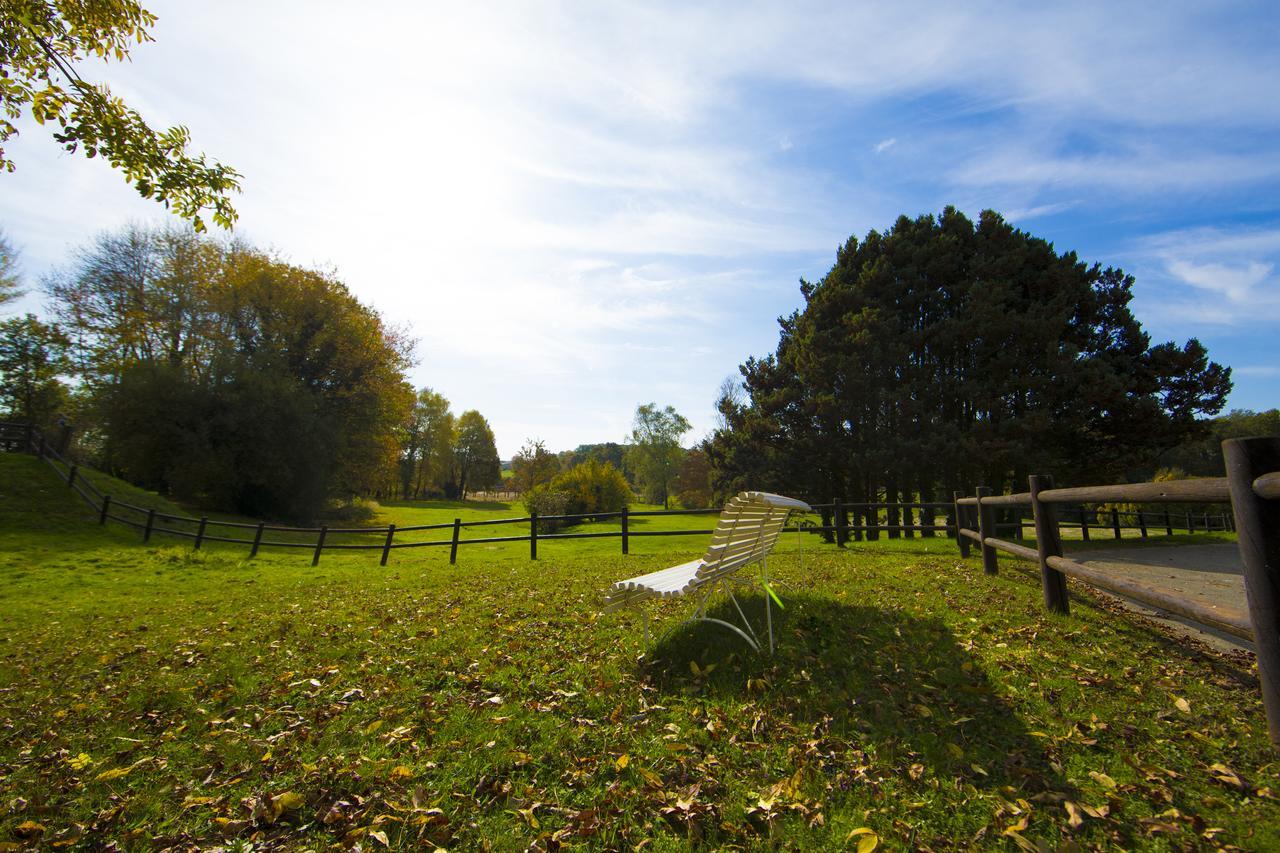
[{"x": 155, "y": 697}]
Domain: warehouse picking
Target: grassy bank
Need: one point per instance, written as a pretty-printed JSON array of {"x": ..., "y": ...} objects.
[{"x": 157, "y": 697}]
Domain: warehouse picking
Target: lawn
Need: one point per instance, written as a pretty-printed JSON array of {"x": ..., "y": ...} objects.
[{"x": 155, "y": 697}]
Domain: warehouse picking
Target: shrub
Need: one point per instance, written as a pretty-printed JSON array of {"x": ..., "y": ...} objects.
[
  {"x": 593, "y": 487},
  {"x": 588, "y": 489},
  {"x": 545, "y": 500}
]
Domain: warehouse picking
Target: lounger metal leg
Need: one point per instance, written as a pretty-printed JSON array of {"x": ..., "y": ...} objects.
[
  {"x": 742, "y": 615},
  {"x": 734, "y": 628}
]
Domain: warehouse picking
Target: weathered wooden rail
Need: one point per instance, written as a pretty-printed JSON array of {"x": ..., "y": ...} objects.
[{"x": 1251, "y": 488}]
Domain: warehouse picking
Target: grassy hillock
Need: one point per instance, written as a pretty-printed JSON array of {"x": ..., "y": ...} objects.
[{"x": 152, "y": 696}]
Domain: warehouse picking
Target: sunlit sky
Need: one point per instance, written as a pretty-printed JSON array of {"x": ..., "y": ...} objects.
[{"x": 578, "y": 208}]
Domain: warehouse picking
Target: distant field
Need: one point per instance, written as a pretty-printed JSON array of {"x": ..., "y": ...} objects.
[{"x": 152, "y": 697}]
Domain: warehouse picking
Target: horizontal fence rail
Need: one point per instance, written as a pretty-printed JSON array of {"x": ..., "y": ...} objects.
[
  {"x": 1252, "y": 491},
  {"x": 257, "y": 536}
]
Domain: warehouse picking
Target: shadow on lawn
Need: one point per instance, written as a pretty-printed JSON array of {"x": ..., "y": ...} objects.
[{"x": 900, "y": 687}]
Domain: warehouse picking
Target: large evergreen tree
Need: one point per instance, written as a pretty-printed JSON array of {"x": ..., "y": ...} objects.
[{"x": 942, "y": 354}]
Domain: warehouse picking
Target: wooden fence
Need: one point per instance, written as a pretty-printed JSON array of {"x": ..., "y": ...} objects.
[
  {"x": 1251, "y": 488},
  {"x": 385, "y": 540}
]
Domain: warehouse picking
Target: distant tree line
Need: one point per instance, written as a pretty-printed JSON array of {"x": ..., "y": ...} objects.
[{"x": 944, "y": 354}]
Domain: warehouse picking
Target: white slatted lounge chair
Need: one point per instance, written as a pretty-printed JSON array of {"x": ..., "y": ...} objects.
[{"x": 747, "y": 530}]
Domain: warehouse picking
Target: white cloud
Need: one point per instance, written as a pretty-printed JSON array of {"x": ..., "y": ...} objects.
[
  {"x": 1245, "y": 285},
  {"x": 1212, "y": 276},
  {"x": 1148, "y": 171},
  {"x": 884, "y": 145},
  {"x": 1023, "y": 214}
]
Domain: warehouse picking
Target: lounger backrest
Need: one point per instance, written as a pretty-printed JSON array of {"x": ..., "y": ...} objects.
[{"x": 748, "y": 529}]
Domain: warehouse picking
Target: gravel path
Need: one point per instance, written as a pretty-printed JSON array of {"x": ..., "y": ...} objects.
[{"x": 1210, "y": 573}]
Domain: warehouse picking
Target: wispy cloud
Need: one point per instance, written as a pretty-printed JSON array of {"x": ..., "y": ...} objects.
[
  {"x": 574, "y": 198},
  {"x": 1210, "y": 275}
]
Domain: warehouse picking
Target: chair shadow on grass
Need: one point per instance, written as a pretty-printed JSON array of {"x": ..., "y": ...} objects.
[{"x": 900, "y": 687}]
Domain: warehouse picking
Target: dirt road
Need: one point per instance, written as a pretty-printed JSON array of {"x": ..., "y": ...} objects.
[{"x": 1209, "y": 573}]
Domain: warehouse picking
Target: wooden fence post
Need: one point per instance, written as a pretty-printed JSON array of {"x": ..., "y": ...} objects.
[
  {"x": 533, "y": 536},
  {"x": 204, "y": 522},
  {"x": 1191, "y": 525},
  {"x": 1168, "y": 523},
  {"x": 961, "y": 540},
  {"x": 71, "y": 475},
  {"x": 625, "y": 543},
  {"x": 106, "y": 504},
  {"x": 1115, "y": 521},
  {"x": 842, "y": 524},
  {"x": 907, "y": 532},
  {"x": 1142, "y": 524},
  {"x": 1258, "y": 523},
  {"x": 324, "y": 531},
  {"x": 1084, "y": 524},
  {"x": 257, "y": 540},
  {"x": 453, "y": 544},
  {"x": 1048, "y": 544},
  {"x": 151, "y": 521},
  {"x": 386, "y": 546},
  {"x": 987, "y": 527}
]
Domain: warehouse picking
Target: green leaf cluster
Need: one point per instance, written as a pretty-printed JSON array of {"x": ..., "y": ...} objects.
[{"x": 42, "y": 44}]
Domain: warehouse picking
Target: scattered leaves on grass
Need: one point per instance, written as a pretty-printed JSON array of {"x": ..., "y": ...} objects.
[{"x": 867, "y": 839}]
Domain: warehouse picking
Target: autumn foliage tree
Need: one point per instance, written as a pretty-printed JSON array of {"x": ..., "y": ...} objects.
[
  {"x": 224, "y": 375},
  {"x": 426, "y": 445},
  {"x": 32, "y": 358}
]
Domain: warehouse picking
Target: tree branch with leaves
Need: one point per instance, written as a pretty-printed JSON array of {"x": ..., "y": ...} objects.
[{"x": 42, "y": 43}]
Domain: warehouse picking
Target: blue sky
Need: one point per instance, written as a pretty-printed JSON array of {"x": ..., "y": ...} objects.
[{"x": 577, "y": 208}]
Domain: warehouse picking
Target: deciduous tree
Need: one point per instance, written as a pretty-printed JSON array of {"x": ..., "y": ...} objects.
[
  {"x": 655, "y": 449},
  {"x": 44, "y": 44},
  {"x": 9, "y": 289},
  {"x": 426, "y": 444},
  {"x": 32, "y": 357},
  {"x": 533, "y": 465},
  {"x": 223, "y": 374},
  {"x": 475, "y": 455}
]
